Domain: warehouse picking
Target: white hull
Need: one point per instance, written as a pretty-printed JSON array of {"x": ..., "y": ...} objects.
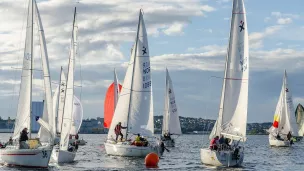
[
  {"x": 279, "y": 143},
  {"x": 221, "y": 158},
  {"x": 61, "y": 156},
  {"x": 169, "y": 143},
  {"x": 26, "y": 157},
  {"x": 127, "y": 150}
]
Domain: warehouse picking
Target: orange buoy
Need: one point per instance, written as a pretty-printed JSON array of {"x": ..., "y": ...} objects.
[{"x": 151, "y": 160}]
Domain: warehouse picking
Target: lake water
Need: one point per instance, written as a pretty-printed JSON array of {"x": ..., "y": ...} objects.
[{"x": 185, "y": 156}]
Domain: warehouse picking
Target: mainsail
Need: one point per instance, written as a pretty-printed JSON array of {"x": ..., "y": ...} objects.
[
  {"x": 110, "y": 102},
  {"x": 232, "y": 118},
  {"x": 23, "y": 118},
  {"x": 134, "y": 107},
  {"x": 69, "y": 94},
  {"x": 171, "y": 123}
]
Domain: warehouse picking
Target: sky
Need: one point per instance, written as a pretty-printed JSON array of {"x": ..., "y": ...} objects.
[{"x": 189, "y": 37}]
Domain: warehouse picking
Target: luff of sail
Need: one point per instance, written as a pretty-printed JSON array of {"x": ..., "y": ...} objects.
[
  {"x": 134, "y": 105},
  {"x": 23, "y": 118},
  {"x": 69, "y": 94},
  {"x": 171, "y": 123},
  {"x": 234, "y": 101}
]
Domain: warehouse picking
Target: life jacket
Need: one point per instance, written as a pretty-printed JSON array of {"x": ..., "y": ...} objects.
[
  {"x": 117, "y": 129},
  {"x": 212, "y": 143},
  {"x": 137, "y": 139}
]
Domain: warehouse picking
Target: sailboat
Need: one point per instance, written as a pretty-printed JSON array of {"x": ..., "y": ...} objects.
[
  {"x": 66, "y": 152},
  {"x": 58, "y": 104},
  {"x": 284, "y": 120},
  {"x": 36, "y": 155},
  {"x": 171, "y": 123},
  {"x": 300, "y": 119},
  {"x": 110, "y": 102},
  {"x": 135, "y": 104},
  {"x": 232, "y": 119}
]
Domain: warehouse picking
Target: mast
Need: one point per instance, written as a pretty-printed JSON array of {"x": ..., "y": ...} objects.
[
  {"x": 31, "y": 80},
  {"x": 58, "y": 99},
  {"x": 134, "y": 62}
]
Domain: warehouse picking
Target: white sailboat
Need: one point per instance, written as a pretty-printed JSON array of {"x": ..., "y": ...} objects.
[
  {"x": 58, "y": 104},
  {"x": 300, "y": 119},
  {"x": 284, "y": 120},
  {"x": 65, "y": 153},
  {"x": 36, "y": 155},
  {"x": 232, "y": 119},
  {"x": 135, "y": 105},
  {"x": 171, "y": 123}
]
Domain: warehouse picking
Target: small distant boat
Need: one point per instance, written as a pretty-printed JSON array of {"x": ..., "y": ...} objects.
[
  {"x": 135, "y": 104},
  {"x": 300, "y": 119},
  {"x": 171, "y": 123},
  {"x": 284, "y": 120},
  {"x": 69, "y": 108},
  {"x": 37, "y": 154},
  {"x": 232, "y": 119},
  {"x": 110, "y": 102}
]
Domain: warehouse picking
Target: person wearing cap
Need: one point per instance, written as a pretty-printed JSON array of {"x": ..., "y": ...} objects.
[
  {"x": 23, "y": 138},
  {"x": 117, "y": 131}
]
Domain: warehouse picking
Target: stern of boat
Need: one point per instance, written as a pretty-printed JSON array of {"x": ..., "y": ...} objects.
[{"x": 221, "y": 158}]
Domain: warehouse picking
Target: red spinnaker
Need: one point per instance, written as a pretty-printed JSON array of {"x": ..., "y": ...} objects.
[{"x": 109, "y": 106}]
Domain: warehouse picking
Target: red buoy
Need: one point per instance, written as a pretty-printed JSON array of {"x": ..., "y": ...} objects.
[{"x": 151, "y": 160}]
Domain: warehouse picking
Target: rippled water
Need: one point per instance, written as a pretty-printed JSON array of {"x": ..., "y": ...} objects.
[{"x": 185, "y": 156}]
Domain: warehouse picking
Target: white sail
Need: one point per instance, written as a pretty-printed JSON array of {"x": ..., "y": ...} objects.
[
  {"x": 171, "y": 122},
  {"x": 116, "y": 89},
  {"x": 134, "y": 105},
  {"x": 58, "y": 101},
  {"x": 77, "y": 112},
  {"x": 23, "y": 118},
  {"x": 49, "y": 118},
  {"x": 300, "y": 119},
  {"x": 77, "y": 116},
  {"x": 234, "y": 101},
  {"x": 68, "y": 104},
  {"x": 284, "y": 118}
]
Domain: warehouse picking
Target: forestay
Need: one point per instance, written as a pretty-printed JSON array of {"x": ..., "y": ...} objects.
[
  {"x": 234, "y": 101},
  {"x": 171, "y": 123},
  {"x": 134, "y": 107}
]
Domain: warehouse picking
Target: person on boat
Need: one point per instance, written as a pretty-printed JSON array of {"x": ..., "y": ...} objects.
[
  {"x": 76, "y": 137},
  {"x": 117, "y": 131},
  {"x": 23, "y": 138},
  {"x": 10, "y": 141},
  {"x": 214, "y": 143},
  {"x": 289, "y": 136},
  {"x": 278, "y": 137}
]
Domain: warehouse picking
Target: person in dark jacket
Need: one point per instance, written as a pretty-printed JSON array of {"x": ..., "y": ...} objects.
[
  {"x": 117, "y": 130},
  {"x": 23, "y": 138}
]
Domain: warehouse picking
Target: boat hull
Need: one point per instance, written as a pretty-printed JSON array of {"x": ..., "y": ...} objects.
[
  {"x": 36, "y": 158},
  {"x": 169, "y": 143},
  {"x": 61, "y": 156},
  {"x": 221, "y": 158},
  {"x": 279, "y": 143},
  {"x": 127, "y": 150}
]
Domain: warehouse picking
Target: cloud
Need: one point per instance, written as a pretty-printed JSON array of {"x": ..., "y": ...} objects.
[
  {"x": 284, "y": 21},
  {"x": 175, "y": 29},
  {"x": 256, "y": 38}
]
